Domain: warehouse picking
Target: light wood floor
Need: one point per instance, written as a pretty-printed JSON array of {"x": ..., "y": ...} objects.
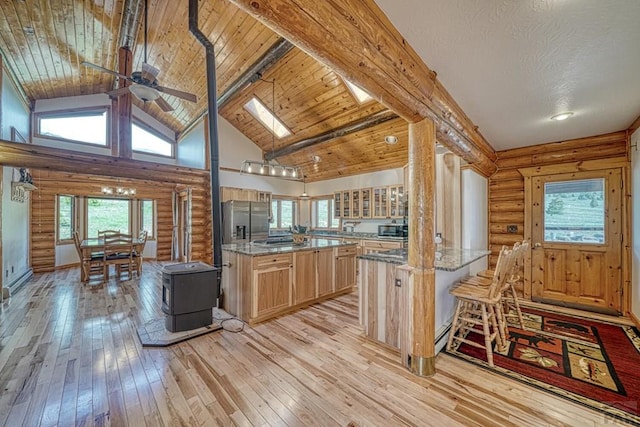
[{"x": 69, "y": 355}]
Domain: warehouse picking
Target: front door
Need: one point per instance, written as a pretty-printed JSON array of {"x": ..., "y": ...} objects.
[{"x": 576, "y": 236}]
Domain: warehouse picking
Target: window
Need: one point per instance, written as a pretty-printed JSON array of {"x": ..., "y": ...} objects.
[
  {"x": 145, "y": 140},
  {"x": 146, "y": 217},
  {"x": 323, "y": 214},
  {"x": 267, "y": 118},
  {"x": 107, "y": 214},
  {"x": 574, "y": 211},
  {"x": 66, "y": 218},
  {"x": 284, "y": 213},
  {"x": 360, "y": 95},
  {"x": 88, "y": 126}
]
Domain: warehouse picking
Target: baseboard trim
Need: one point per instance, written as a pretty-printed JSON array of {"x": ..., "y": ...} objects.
[
  {"x": 20, "y": 281},
  {"x": 635, "y": 319}
]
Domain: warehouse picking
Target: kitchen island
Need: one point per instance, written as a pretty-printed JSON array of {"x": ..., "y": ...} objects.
[
  {"x": 261, "y": 281},
  {"x": 385, "y": 308}
]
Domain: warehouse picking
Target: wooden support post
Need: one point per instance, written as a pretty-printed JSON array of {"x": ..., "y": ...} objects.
[
  {"x": 421, "y": 257},
  {"x": 125, "y": 61}
]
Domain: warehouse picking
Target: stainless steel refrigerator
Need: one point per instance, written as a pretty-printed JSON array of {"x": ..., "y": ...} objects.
[{"x": 244, "y": 222}]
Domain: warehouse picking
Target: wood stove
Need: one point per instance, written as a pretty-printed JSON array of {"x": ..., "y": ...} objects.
[{"x": 189, "y": 293}]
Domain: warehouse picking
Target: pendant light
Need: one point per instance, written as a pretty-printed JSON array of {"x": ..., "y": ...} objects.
[{"x": 304, "y": 194}]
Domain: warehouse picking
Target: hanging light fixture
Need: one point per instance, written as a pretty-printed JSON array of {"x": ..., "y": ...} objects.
[
  {"x": 304, "y": 194},
  {"x": 266, "y": 167}
]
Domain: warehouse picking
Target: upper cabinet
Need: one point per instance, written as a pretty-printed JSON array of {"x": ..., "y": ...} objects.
[{"x": 377, "y": 202}]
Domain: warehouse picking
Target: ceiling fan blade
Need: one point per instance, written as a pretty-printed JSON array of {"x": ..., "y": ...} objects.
[
  {"x": 104, "y": 70},
  {"x": 149, "y": 72},
  {"x": 178, "y": 93},
  {"x": 119, "y": 91},
  {"x": 164, "y": 105}
]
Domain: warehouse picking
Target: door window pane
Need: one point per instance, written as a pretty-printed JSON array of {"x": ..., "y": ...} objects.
[
  {"x": 107, "y": 214},
  {"x": 574, "y": 211}
]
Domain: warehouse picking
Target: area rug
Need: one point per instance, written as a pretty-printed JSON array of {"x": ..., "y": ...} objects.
[{"x": 593, "y": 363}]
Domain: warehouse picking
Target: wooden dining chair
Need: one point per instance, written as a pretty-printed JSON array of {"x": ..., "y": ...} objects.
[
  {"x": 91, "y": 264},
  {"x": 482, "y": 306},
  {"x": 102, "y": 233},
  {"x": 138, "y": 250},
  {"x": 516, "y": 279},
  {"x": 118, "y": 250}
]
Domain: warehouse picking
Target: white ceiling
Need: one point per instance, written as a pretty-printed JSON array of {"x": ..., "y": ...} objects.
[{"x": 512, "y": 64}]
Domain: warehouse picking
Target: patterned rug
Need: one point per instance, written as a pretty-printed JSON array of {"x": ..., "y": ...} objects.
[{"x": 593, "y": 363}]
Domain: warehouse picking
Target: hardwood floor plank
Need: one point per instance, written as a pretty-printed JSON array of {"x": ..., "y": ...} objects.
[{"x": 70, "y": 356}]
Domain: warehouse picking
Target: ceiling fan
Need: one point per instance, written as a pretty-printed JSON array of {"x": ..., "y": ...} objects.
[{"x": 144, "y": 83}]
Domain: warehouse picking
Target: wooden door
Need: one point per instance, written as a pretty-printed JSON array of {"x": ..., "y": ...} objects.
[
  {"x": 576, "y": 236},
  {"x": 345, "y": 276}
]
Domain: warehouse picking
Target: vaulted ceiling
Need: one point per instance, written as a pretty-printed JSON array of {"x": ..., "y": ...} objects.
[{"x": 45, "y": 41}]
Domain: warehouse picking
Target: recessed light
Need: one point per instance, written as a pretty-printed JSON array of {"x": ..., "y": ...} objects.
[
  {"x": 562, "y": 116},
  {"x": 316, "y": 158},
  {"x": 28, "y": 30},
  {"x": 391, "y": 139}
]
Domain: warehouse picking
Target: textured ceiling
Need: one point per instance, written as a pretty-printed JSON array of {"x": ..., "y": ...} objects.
[{"x": 511, "y": 65}]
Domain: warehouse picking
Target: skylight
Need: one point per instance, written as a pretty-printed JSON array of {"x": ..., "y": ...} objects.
[
  {"x": 267, "y": 118},
  {"x": 358, "y": 93}
]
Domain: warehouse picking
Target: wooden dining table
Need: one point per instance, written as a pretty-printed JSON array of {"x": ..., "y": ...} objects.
[{"x": 96, "y": 244}]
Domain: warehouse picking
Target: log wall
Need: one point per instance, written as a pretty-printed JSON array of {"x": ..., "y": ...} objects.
[
  {"x": 52, "y": 183},
  {"x": 506, "y": 186}
]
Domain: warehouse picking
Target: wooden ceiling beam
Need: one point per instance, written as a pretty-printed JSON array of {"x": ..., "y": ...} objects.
[
  {"x": 129, "y": 26},
  {"x": 275, "y": 53},
  {"x": 367, "y": 122},
  {"x": 358, "y": 41},
  {"x": 55, "y": 159}
]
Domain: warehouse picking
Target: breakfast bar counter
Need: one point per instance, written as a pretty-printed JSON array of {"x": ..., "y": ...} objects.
[{"x": 383, "y": 305}]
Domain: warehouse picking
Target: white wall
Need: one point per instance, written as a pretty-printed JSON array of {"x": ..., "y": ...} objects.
[
  {"x": 15, "y": 215},
  {"x": 635, "y": 225},
  {"x": 190, "y": 151},
  {"x": 475, "y": 220}
]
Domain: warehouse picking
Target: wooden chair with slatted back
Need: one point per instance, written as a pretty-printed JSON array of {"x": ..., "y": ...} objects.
[
  {"x": 102, "y": 233},
  {"x": 118, "y": 250},
  {"x": 89, "y": 265},
  {"x": 482, "y": 306},
  {"x": 138, "y": 250},
  {"x": 510, "y": 294}
]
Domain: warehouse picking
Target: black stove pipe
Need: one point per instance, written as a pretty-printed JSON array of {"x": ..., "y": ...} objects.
[{"x": 216, "y": 214}]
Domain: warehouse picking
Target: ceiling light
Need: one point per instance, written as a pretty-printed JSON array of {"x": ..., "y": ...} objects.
[
  {"x": 316, "y": 158},
  {"x": 304, "y": 194},
  {"x": 259, "y": 167},
  {"x": 391, "y": 139},
  {"x": 562, "y": 116},
  {"x": 144, "y": 93}
]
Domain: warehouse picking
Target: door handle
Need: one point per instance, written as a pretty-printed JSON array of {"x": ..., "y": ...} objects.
[{"x": 537, "y": 245}]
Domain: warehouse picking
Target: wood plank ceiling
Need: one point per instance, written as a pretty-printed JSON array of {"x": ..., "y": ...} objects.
[{"x": 44, "y": 42}]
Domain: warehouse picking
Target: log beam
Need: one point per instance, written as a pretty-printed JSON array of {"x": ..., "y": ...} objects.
[
  {"x": 421, "y": 252},
  {"x": 125, "y": 65},
  {"x": 55, "y": 159},
  {"x": 359, "y": 42}
]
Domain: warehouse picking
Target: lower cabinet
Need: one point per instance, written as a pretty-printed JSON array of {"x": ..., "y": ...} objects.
[
  {"x": 272, "y": 284},
  {"x": 257, "y": 288},
  {"x": 345, "y": 267}
]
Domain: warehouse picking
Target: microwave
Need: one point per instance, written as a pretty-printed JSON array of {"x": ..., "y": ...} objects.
[{"x": 392, "y": 230}]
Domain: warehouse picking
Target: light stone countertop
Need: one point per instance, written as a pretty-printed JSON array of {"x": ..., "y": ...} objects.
[{"x": 447, "y": 259}]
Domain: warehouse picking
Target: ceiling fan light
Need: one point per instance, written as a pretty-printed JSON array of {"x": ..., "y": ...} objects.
[{"x": 143, "y": 92}]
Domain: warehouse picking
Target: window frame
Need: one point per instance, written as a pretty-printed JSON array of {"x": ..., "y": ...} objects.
[
  {"x": 278, "y": 214},
  {"x": 151, "y": 236},
  {"x": 74, "y": 219},
  {"x": 314, "y": 212},
  {"x": 74, "y": 112},
  {"x": 86, "y": 213},
  {"x": 144, "y": 126}
]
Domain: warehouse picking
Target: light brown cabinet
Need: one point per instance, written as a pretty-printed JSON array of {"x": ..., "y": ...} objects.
[
  {"x": 272, "y": 284},
  {"x": 345, "y": 268},
  {"x": 376, "y": 202},
  {"x": 365, "y": 201},
  {"x": 380, "y": 202},
  {"x": 257, "y": 288},
  {"x": 373, "y": 246},
  {"x": 396, "y": 201}
]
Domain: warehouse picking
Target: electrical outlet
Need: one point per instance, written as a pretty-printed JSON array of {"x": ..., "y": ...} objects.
[{"x": 512, "y": 228}]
